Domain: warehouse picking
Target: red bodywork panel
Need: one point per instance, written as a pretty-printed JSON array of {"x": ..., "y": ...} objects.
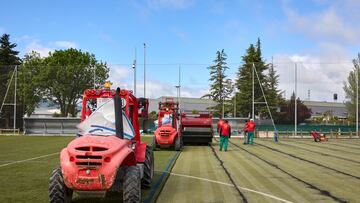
[
  {"x": 101, "y": 156},
  {"x": 196, "y": 120},
  {"x": 165, "y": 135}
]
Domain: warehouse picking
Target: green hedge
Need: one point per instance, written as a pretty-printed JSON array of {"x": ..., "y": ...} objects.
[{"x": 324, "y": 128}]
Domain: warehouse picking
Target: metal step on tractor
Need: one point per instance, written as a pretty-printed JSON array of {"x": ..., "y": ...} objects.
[{"x": 108, "y": 154}]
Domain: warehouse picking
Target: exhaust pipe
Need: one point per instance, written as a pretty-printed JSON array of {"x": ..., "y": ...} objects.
[{"x": 118, "y": 115}]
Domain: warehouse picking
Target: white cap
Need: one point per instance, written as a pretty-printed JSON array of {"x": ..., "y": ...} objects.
[{"x": 251, "y": 119}]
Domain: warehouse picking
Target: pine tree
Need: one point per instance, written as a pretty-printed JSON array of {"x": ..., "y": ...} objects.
[
  {"x": 252, "y": 57},
  {"x": 220, "y": 87},
  {"x": 273, "y": 94},
  {"x": 350, "y": 89},
  {"x": 8, "y": 60},
  {"x": 287, "y": 111}
]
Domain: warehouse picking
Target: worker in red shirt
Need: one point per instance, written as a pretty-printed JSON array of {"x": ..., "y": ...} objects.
[
  {"x": 250, "y": 128},
  {"x": 219, "y": 124},
  {"x": 225, "y": 134}
]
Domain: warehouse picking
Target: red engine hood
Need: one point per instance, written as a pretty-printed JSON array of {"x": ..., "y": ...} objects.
[{"x": 91, "y": 162}]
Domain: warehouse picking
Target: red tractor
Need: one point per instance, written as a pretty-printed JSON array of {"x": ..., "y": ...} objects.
[
  {"x": 94, "y": 164},
  {"x": 166, "y": 133}
]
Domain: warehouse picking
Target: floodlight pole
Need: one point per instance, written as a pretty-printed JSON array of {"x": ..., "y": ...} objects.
[
  {"x": 295, "y": 133},
  {"x": 15, "y": 99},
  {"x": 235, "y": 105},
  {"x": 179, "y": 99},
  {"x": 357, "y": 101},
  {"x": 134, "y": 67},
  {"x": 253, "y": 92},
  {"x": 144, "y": 70}
]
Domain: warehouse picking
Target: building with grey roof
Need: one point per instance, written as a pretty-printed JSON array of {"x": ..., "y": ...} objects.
[{"x": 318, "y": 108}]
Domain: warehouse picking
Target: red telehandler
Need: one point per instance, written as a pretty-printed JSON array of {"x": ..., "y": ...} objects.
[
  {"x": 166, "y": 133},
  {"x": 94, "y": 164}
]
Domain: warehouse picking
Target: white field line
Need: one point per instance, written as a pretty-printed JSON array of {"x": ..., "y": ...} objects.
[
  {"x": 230, "y": 185},
  {"x": 30, "y": 159}
]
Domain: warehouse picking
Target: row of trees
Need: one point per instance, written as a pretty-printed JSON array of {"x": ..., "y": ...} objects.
[
  {"x": 59, "y": 78},
  {"x": 224, "y": 90}
]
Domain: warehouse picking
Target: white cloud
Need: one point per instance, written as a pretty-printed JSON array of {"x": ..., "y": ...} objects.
[
  {"x": 36, "y": 46},
  {"x": 43, "y": 49},
  {"x": 177, "y": 4},
  {"x": 327, "y": 24},
  {"x": 323, "y": 76},
  {"x": 2, "y": 30},
  {"x": 180, "y": 34},
  {"x": 65, "y": 44},
  {"x": 122, "y": 77}
]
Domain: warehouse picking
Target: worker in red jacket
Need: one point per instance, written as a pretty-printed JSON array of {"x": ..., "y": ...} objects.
[
  {"x": 225, "y": 134},
  {"x": 250, "y": 128},
  {"x": 219, "y": 124}
]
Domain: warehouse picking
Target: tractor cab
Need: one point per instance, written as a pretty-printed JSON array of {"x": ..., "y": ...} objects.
[
  {"x": 168, "y": 113},
  {"x": 100, "y": 101}
]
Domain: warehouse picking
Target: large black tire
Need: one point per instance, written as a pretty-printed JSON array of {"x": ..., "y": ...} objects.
[
  {"x": 177, "y": 143},
  {"x": 58, "y": 192},
  {"x": 132, "y": 185},
  {"x": 153, "y": 144},
  {"x": 148, "y": 168}
]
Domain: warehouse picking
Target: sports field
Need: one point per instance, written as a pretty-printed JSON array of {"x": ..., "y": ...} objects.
[{"x": 292, "y": 170}]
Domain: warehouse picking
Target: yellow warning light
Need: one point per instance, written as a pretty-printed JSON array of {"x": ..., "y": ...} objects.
[{"x": 107, "y": 85}]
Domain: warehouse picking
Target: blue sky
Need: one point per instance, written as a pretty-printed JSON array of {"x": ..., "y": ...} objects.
[{"x": 189, "y": 32}]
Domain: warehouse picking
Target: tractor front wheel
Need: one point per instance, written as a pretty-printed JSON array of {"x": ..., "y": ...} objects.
[
  {"x": 148, "y": 168},
  {"x": 132, "y": 185},
  {"x": 58, "y": 192},
  {"x": 178, "y": 142},
  {"x": 154, "y": 144}
]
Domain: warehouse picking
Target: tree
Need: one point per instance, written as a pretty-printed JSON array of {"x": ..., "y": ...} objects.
[
  {"x": 287, "y": 111},
  {"x": 273, "y": 94},
  {"x": 8, "y": 60},
  {"x": 66, "y": 74},
  {"x": 30, "y": 92},
  {"x": 350, "y": 89},
  {"x": 253, "y": 57},
  {"x": 220, "y": 87}
]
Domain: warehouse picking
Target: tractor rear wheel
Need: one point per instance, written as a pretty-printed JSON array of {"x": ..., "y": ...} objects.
[
  {"x": 178, "y": 143},
  {"x": 148, "y": 168},
  {"x": 58, "y": 192},
  {"x": 132, "y": 185}
]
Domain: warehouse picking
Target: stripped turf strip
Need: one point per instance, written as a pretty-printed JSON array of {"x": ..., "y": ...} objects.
[
  {"x": 317, "y": 152},
  {"x": 357, "y": 147},
  {"x": 326, "y": 147},
  {"x": 197, "y": 161},
  {"x": 228, "y": 174},
  {"x": 322, "y": 191},
  {"x": 312, "y": 162}
]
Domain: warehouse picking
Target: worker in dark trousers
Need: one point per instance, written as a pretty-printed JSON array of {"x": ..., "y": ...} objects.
[
  {"x": 250, "y": 128},
  {"x": 225, "y": 134}
]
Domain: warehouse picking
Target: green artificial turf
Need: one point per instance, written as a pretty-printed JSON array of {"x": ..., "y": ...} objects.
[
  {"x": 28, "y": 181},
  {"x": 322, "y": 172}
]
